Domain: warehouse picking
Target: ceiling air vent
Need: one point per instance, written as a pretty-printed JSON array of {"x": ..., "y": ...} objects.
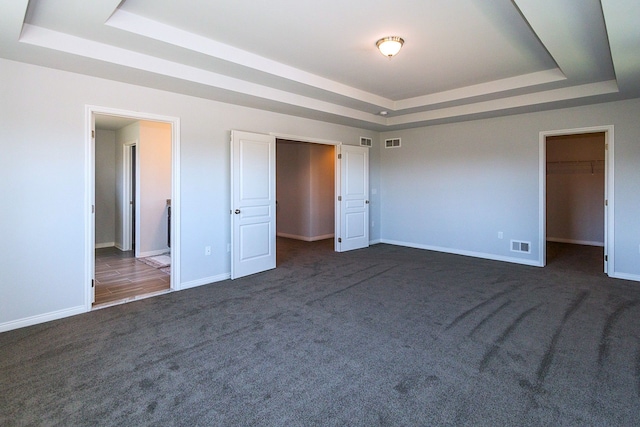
[
  {"x": 366, "y": 142},
  {"x": 519, "y": 246},
  {"x": 392, "y": 143}
]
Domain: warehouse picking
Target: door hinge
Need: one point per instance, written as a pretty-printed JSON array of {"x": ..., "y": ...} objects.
[
  {"x": 93, "y": 134},
  {"x": 93, "y": 209},
  {"x": 339, "y": 198},
  {"x": 606, "y": 258},
  {"x": 606, "y": 202},
  {"x": 606, "y": 146},
  {"x": 339, "y": 156},
  {"x": 93, "y": 283},
  {"x": 339, "y": 239}
]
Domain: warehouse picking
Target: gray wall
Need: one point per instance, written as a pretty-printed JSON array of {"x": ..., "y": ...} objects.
[
  {"x": 305, "y": 190},
  {"x": 55, "y": 149},
  {"x": 154, "y": 169},
  {"x": 322, "y": 190},
  {"x": 292, "y": 189},
  {"x": 127, "y": 135},
  {"x": 105, "y": 191},
  {"x": 453, "y": 187},
  {"x": 450, "y": 186}
]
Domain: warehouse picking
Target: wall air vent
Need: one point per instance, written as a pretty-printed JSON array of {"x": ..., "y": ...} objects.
[
  {"x": 519, "y": 246},
  {"x": 392, "y": 143},
  {"x": 366, "y": 142}
]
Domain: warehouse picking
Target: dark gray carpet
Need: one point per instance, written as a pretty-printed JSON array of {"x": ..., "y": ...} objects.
[{"x": 381, "y": 336}]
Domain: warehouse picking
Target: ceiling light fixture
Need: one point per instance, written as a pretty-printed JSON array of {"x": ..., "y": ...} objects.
[{"x": 389, "y": 46}]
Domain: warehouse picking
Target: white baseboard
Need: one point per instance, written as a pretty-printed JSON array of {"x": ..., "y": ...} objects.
[
  {"x": 306, "y": 238},
  {"x": 105, "y": 245},
  {"x": 154, "y": 253},
  {"x": 375, "y": 242},
  {"x": 533, "y": 263},
  {"x": 41, "y": 318},
  {"x": 625, "y": 276},
  {"x": 205, "y": 281},
  {"x": 575, "y": 242}
]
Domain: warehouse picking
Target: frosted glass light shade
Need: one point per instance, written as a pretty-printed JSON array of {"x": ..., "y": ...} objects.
[{"x": 389, "y": 46}]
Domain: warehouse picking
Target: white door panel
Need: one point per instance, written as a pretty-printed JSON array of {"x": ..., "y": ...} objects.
[
  {"x": 354, "y": 164},
  {"x": 92, "y": 260},
  {"x": 253, "y": 201}
]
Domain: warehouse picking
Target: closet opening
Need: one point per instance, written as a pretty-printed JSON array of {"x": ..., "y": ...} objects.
[
  {"x": 305, "y": 189},
  {"x": 575, "y": 217}
]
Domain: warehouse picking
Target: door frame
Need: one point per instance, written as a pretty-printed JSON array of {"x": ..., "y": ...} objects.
[
  {"x": 90, "y": 165},
  {"x": 609, "y": 216},
  {"x": 129, "y": 221},
  {"x": 337, "y": 177}
]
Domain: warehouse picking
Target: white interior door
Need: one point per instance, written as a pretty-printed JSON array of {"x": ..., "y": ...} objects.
[
  {"x": 92, "y": 200},
  {"x": 354, "y": 198},
  {"x": 253, "y": 203},
  {"x": 606, "y": 203}
]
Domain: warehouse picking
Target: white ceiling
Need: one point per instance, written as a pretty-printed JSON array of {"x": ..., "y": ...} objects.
[{"x": 462, "y": 59}]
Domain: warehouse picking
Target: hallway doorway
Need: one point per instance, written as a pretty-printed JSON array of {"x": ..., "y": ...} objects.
[{"x": 132, "y": 170}]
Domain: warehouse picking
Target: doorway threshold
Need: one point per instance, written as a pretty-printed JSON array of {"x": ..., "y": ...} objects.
[{"x": 130, "y": 299}]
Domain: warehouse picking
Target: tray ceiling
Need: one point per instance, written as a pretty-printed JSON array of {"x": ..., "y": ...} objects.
[{"x": 462, "y": 59}]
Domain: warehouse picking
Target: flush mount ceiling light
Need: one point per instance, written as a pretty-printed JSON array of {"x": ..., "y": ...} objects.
[{"x": 389, "y": 46}]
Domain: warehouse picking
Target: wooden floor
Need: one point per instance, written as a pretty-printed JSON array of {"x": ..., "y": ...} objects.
[{"x": 121, "y": 277}]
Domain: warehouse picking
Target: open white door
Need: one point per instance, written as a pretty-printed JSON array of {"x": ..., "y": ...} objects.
[
  {"x": 253, "y": 203},
  {"x": 92, "y": 200},
  {"x": 354, "y": 198}
]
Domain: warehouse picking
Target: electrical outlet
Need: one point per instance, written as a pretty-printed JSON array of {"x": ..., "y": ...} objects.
[
  {"x": 500, "y": 235},
  {"x": 207, "y": 250}
]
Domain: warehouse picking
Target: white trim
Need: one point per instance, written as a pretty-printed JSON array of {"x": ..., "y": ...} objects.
[
  {"x": 128, "y": 222},
  {"x": 306, "y": 238},
  {"x": 609, "y": 225},
  {"x": 625, "y": 276},
  {"x": 89, "y": 203},
  {"x": 304, "y": 139},
  {"x": 90, "y": 112},
  {"x": 609, "y": 192},
  {"x": 575, "y": 242},
  {"x": 105, "y": 245},
  {"x": 41, "y": 318},
  {"x": 375, "y": 242},
  {"x": 473, "y": 254},
  {"x": 337, "y": 191},
  {"x": 206, "y": 281},
  {"x": 133, "y": 298}
]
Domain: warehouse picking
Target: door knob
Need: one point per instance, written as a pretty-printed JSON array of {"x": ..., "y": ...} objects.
[{"x": 237, "y": 211}]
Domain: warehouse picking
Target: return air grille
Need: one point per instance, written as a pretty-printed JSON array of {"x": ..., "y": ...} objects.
[
  {"x": 366, "y": 142},
  {"x": 392, "y": 143},
  {"x": 519, "y": 246}
]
